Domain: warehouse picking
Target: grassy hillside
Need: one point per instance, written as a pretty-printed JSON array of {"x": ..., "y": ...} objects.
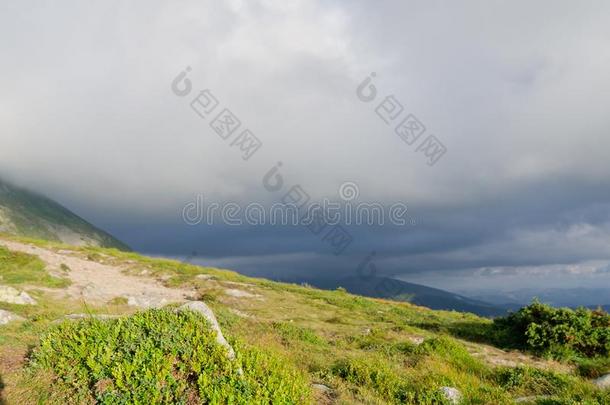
[
  {"x": 433, "y": 298},
  {"x": 293, "y": 344},
  {"x": 24, "y": 213}
]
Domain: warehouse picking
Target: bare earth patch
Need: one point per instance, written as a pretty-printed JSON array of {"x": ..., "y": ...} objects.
[{"x": 96, "y": 282}]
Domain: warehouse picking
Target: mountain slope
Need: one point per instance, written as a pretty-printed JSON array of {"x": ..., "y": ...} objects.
[
  {"x": 93, "y": 338},
  {"x": 28, "y": 214},
  {"x": 433, "y": 298}
]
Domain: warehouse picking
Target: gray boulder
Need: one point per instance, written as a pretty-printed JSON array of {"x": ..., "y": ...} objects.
[
  {"x": 11, "y": 295},
  {"x": 603, "y": 381},
  {"x": 453, "y": 395},
  {"x": 6, "y": 317}
]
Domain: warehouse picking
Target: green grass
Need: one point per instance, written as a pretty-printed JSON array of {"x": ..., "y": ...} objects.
[
  {"x": 592, "y": 367},
  {"x": 20, "y": 268}
]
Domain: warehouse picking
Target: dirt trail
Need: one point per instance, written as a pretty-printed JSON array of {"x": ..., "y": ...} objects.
[{"x": 97, "y": 282}]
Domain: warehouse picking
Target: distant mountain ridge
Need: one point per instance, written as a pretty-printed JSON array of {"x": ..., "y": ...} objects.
[
  {"x": 389, "y": 288},
  {"x": 590, "y": 297},
  {"x": 30, "y": 214}
]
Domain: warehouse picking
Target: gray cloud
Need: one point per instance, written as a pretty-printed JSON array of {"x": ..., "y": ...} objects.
[{"x": 518, "y": 92}]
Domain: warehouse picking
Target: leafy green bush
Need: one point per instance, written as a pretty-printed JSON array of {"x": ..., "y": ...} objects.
[
  {"x": 162, "y": 356},
  {"x": 558, "y": 332}
]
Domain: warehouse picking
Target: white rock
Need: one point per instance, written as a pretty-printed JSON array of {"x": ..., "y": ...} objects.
[
  {"x": 6, "y": 317},
  {"x": 12, "y": 296},
  {"x": 322, "y": 388},
  {"x": 204, "y": 277},
  {"x": 603, "y": 381},
  {"x": 452, "y": 394}
]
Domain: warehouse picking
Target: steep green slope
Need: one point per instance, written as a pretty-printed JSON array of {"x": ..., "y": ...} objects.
[{"x": 28, "y": 214}]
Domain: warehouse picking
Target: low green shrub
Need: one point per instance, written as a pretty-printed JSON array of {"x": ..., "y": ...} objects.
[
  {"x": 454, "y": 353},
  {"x": 163, "y": 357},
  {"x": 550, "y": 387},
  {"x": 592, "y": 368},
  {"x": 385, "y": 382},
  {"x": 556, "y": 332},
  {"x": 528, "y": 380}
]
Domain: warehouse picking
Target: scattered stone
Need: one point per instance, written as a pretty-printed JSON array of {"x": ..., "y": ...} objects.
[
  {"x": 6, "y": 317},
  {"x": 322, "y": 388},
  {"x": 13, "y": 296},
  {"x": 233, "y": 292},
  {"x": 416, "y": 340},
  {"x": 203, "y": 309},
  {"x": 603, "y": 381},
  {"x": 146, "y": 301},
  {"x": 533, "y": 398},
  {"x": 453, "y": 395},
  {"x": 145, "y": 272},
  {"x": 240, "y": 313},
  {"x": 238, "y": 284}
]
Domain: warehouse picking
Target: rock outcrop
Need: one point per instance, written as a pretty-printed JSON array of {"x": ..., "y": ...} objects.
[
  {"x": 11, "y": 295},
  {"x": 6, "y": 317}
]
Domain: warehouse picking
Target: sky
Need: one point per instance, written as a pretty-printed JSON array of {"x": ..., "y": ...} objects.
[{"x": 516, "y": 92}]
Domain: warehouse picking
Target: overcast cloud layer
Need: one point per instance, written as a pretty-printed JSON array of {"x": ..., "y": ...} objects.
[{"x": 517, "y": 91}]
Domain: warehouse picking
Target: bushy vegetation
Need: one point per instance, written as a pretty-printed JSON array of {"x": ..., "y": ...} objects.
[
  {"x": 162, "y": 356},
  {"x": 557, "y": 332}
]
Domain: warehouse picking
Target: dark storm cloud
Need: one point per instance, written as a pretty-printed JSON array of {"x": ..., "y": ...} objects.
[{"x": 518, "y": 92}]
